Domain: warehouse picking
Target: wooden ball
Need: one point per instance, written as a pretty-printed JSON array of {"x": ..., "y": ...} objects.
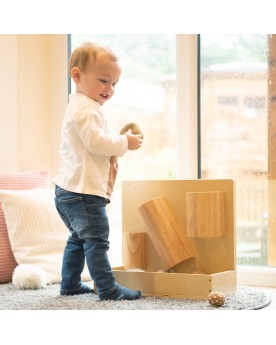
[
  {"x": 134, "y": 128},
  {"x": 216, "y": 299}
]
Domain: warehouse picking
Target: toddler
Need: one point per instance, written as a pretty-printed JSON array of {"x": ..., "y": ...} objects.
[{"x": 85, "y": 180}]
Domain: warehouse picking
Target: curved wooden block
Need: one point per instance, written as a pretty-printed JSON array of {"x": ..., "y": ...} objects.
[
  {"x": 205, "y": 214},
  {"x": 165, "y": 232},
  {"x": 134, "y": 253}
]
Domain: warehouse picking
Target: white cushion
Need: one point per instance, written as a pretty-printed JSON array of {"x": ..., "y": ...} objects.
[
  {"x": 16, "y": 181},
  {"x": 36, "y": 232}
]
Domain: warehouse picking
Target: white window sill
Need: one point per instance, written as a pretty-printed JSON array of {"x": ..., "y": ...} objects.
[{"x": 256, "y": 276}]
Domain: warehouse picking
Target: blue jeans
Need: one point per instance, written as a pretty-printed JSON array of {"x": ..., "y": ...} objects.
[{"x": 85, "y": 216}]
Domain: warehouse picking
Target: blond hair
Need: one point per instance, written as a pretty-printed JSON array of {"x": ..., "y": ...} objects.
[{"x": 88, "y": 53}]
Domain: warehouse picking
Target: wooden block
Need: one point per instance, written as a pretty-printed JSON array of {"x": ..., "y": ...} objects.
[
  {"x": 134, "y": 253},
  {"x": 205, "y": 214},
  {"x": 182, "y": 285},
  {"x": 165, "y": 232}
]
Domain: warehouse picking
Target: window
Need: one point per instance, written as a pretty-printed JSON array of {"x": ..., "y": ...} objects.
[
  {"x": 234, "y": 123},
  {"x": 146, "y": 94},
  {"x": 234, "y": 131}
]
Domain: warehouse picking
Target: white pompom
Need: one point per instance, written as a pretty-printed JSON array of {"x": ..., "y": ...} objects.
[{"x": 29, "y": 277}]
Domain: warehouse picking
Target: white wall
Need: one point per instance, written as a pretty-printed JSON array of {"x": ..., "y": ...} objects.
[
  {"x": 33, "y": 95},
  {"x": 8, "y": 103}
]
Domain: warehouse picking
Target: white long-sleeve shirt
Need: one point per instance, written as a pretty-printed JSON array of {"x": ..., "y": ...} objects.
[{"x": 88, "y": 151}]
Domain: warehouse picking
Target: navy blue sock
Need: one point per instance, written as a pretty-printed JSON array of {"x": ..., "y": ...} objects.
[
  {"x": 122, "y": 293},
  {"x": 81, "y": 290}
]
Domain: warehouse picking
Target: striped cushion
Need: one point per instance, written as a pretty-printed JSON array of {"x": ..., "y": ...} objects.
[
  {"x": 37, "y": 233},
  {"x": 15, "y": 181}
]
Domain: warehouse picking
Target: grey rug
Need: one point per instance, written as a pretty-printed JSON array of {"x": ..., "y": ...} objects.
[{"x": 49, "y": 299}]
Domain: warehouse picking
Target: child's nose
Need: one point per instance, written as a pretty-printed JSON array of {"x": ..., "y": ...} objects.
[{"x": 110, "y": 87}]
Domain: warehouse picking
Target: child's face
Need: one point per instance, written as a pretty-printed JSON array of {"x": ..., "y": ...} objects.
[{"x": 98, "y": 81}]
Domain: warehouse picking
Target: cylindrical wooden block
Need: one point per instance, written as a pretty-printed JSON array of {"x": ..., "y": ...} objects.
[
  {"x": 205, "y": 214},
  {"x": 165, "y": 232},
  {"x": 134, "y": 253}
]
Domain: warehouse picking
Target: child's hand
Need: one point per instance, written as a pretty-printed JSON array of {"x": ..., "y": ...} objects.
[{"x": 134, "y": 140}]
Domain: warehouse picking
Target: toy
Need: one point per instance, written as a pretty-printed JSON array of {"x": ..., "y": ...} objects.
[
  {"x": 134, "y": 129},
  {"x": 216, "y": 299},
  {"x": 210, "y": 263}
]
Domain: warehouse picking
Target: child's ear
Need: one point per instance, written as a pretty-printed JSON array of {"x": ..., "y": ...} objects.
[{"x": 75, "y": 74}]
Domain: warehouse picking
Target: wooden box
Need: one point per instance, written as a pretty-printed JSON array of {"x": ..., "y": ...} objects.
[
  {"x": 210, "y": 265},
  {"x": 183, "y": 285}
]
